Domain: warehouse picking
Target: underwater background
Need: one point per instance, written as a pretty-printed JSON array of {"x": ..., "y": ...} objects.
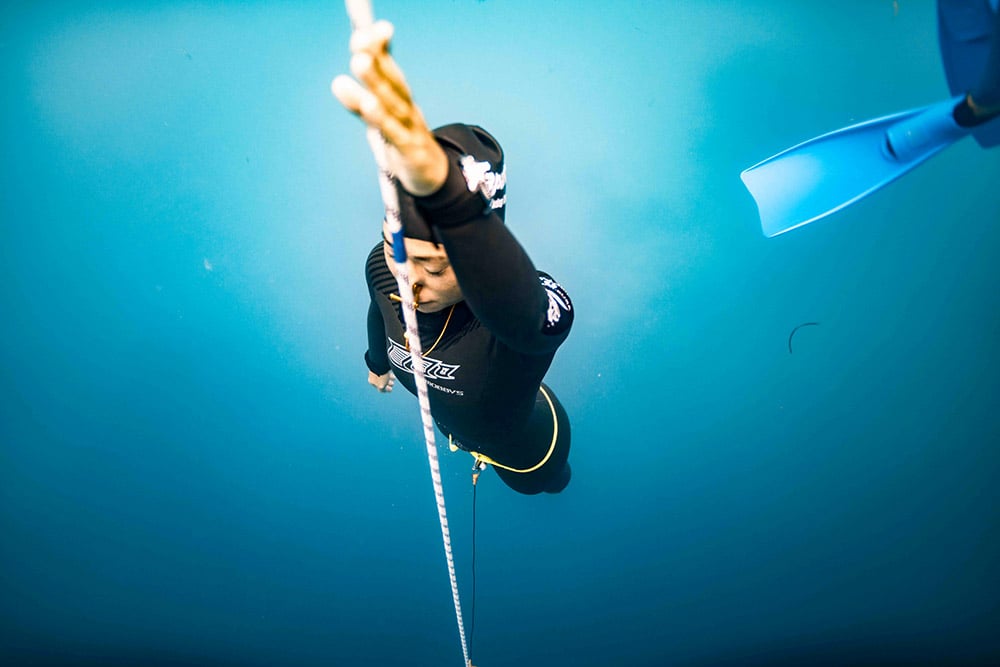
[{"x": 194, "y": 470}]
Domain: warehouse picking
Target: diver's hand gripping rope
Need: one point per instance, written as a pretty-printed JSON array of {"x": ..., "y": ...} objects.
[{"x": 360, "y": 13}]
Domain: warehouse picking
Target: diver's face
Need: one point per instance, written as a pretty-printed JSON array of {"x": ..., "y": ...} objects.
[{"x": 435, "y": 286}]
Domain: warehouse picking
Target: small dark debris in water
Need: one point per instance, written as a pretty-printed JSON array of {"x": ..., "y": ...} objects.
[
  {"x": 804, "y": 324},
  {"x": 188, "y": 54}
]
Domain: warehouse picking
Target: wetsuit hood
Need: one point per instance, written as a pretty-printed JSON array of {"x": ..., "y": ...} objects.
[{"x": 460, "y": 142}]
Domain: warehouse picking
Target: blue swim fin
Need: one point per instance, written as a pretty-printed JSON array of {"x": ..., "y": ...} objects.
[{"x": 823, "y": 175}]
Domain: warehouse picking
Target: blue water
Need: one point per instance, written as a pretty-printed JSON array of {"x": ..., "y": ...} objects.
[{"x": 193, "y": 470}]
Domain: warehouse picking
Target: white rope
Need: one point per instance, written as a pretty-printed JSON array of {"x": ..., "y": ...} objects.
[{"x": 360, "y": 13}]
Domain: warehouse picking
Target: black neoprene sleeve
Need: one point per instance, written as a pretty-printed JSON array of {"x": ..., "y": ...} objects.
[
  {"x": 376, "y": 358},
  {"x": 498, "y": 280}
]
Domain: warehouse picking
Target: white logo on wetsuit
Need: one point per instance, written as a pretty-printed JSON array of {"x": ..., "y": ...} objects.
[
  {"x": 480, "y": 176},
  {"x": 559, "y": 302},
  {"x": 433, "y": 368}
]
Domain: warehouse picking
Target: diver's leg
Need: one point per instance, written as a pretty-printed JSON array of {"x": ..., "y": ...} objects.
[
  {"x": 560, "y": 481},
  {"x": 982, "y": 103},
  {"x": 547, "y": 421}
]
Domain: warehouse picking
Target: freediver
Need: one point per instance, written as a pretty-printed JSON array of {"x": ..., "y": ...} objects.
[{"x": 489, "y": 322}]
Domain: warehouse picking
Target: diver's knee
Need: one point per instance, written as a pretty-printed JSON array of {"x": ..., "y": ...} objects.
[{"x": 560, "y": 481}]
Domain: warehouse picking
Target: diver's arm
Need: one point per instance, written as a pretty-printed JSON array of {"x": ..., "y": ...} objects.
[
  {"x": 498, "y": 279},
  {"x": 496, "y": 276},
  {"x": 376, "y": 357},
  {"x": 379, "y": 372}
]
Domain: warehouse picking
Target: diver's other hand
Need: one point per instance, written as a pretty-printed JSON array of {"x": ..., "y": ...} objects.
[
  {"x": 382, "y": 382},
  {"x": 382, "y": 99}
]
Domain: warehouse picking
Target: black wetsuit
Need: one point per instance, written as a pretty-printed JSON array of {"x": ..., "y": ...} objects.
[{"x": 484, "y": 376}]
